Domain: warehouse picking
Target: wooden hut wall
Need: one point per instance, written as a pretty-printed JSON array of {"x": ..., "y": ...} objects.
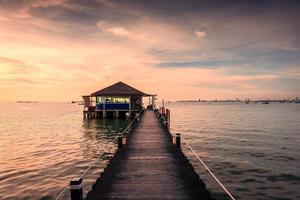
[{"x": 136, "y": 102}]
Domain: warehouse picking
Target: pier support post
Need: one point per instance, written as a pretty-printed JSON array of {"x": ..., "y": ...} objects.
[
  {"x": 76, "y": 189},
  {"x": 98, "y": 114},
  {"x": 104, "y": 114},
  {"x": 178, "y": 142},
  {"x": 120, "y": 142}
]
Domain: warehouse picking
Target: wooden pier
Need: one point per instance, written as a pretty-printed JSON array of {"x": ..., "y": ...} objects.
[{"x": 149, "y": 166}]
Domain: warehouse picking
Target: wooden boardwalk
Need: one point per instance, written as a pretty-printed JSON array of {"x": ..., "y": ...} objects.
[{"x": 149, "y": 166}]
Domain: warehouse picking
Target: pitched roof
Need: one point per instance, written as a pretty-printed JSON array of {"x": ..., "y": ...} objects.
[{"x": 119, "y": 88}]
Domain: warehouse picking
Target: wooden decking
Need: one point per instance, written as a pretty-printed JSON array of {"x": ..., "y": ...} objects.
[{"x": 149, "y": 167}]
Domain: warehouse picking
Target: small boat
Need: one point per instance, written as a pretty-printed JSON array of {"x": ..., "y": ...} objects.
[{"x": 265, "y": 102}]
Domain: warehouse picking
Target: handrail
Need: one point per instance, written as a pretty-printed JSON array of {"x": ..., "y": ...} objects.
[
  {"x": 82, "y": 175},
  {"x": 206, "y": 167},
  {"x": 128, "y": 126},
  {"x": 62, "y": 192},
  {"x": 209, "y": 171},
  {"x": 93, "y": 163}
]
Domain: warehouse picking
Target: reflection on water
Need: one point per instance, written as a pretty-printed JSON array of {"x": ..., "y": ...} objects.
[
  {"x": 43, "y": 146},
  {"x": 99, "y": 133}
]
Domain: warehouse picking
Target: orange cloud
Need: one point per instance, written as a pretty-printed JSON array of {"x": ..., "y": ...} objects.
[
  {"x": 200, "y": 34},
  {"x": 59, "y": 50},
  {"x": 115, "y": 30}
]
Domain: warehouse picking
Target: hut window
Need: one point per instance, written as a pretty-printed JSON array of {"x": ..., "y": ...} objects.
[{"x": 117, "y": 100}]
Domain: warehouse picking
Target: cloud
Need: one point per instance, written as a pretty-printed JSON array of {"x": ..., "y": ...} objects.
[
  {"x": 118, "y": 31},
  {"x": 113, "y": 29},
  {"x": 62, "y": 13},
  {"x": 200, "y": 34},
  {"x": 282, "y": 84},
  {"x": 74, "y": 44},
  {"x": 205, "y": 64},
  {"x": 15, "y": 66}
]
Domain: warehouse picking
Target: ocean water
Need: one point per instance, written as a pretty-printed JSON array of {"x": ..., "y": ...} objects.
[
  {"x": 252, "y": 148},
  {"x": 44, "y": 145}
]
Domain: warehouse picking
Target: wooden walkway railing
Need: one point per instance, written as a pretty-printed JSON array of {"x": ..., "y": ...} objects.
[{"x": 149, "y": 166}]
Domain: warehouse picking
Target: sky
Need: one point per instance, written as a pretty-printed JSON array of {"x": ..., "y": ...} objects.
[{"x": 59, "y": 50}]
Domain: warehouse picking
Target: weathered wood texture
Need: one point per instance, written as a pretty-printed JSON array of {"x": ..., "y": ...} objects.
[{"x": 149, "y": 167}]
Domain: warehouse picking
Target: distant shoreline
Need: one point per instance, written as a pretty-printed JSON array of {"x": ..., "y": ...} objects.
[
  {"x": 178, "y": 101},
  {"x": 241, "y": 101}
]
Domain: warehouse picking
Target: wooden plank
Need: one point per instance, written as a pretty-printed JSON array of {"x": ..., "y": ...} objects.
[{"x": 149, "y": 166}]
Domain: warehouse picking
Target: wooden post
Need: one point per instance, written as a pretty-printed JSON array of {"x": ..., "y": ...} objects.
[
  {"x": 76, "y": 189},
  {"x": 178, "y": 143},
  {"x": 124, "y": 140},
  {"x": 169, "y": 118},
  {"x": 167, "y": 114},
  {"x": 120, "y": 142},
  {"x": 163, "y": 107}
]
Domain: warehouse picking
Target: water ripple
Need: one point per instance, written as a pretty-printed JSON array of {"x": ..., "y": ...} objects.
[{"x": 253, "y": 149}]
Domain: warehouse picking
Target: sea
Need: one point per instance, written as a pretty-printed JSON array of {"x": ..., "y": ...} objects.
[{"x": 253, "y": 149}]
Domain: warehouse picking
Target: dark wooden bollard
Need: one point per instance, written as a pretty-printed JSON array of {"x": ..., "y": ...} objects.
[
  {"x": 120, "y": 142},
  {"x": 178, "y": 143},
  {"x": 76, "y": 189}
]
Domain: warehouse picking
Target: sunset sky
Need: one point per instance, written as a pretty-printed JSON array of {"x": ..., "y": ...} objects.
[{"x": 58, "y": 50}]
